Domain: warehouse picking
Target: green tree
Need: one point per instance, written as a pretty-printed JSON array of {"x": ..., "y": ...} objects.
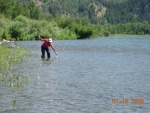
[
  {"x": 34, "y": 11},
  {"x": 6, "y": 7},
  {"x": 18, "y": 10}
]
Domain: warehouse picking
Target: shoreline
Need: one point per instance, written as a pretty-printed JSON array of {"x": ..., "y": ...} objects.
[
  {"x": 111, "y": 35},
  {"x": 126, "y": 35}
]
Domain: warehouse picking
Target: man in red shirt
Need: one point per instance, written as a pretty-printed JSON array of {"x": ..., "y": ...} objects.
[{"x": 47, "y": 43}]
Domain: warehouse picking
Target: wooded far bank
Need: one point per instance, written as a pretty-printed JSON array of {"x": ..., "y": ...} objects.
[{"x": 21, "y": 21}]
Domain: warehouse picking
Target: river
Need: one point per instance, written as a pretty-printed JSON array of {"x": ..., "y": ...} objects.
[{"x": 103, "y": 75}]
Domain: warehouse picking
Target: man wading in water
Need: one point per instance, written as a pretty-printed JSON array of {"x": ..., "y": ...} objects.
[{"x": 47, "y": 43}]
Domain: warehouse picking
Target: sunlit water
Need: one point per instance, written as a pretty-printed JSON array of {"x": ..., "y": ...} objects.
[{"x": 85, "y": 78}]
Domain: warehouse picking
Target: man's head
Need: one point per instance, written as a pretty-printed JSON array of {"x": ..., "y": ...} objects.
[{"x": 50, "y": 40}]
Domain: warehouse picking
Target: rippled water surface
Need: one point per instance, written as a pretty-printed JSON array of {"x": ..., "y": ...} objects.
[{"x": 85, "y": 78}]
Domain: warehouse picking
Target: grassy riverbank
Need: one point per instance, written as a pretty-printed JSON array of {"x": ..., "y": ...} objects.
[{"x": 10, "y": 56}]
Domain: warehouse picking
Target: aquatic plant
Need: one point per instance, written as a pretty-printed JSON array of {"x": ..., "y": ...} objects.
[
  {"x": 2, "y": 78},
  {"x": 14, "y": 105},
  {"x": 11, "y": 84},
  {"x": 1, "y": 75},
  {"x": 26, "y": 78},
  {"x": 18, "y": 80}
]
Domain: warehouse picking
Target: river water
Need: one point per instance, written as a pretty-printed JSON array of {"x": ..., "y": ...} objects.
[{"x": 88, "y": 76}]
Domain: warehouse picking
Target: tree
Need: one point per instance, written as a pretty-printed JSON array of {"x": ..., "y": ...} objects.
[
  {"x": 6, "y": 7},
  {"x": 34, "y": 11}
]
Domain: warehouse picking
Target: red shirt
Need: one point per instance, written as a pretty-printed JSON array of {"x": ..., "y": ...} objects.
[{"x": 46, "y": 43}]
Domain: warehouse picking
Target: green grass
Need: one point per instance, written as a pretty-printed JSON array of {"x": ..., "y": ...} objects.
[{"x": 10, "y": 56}]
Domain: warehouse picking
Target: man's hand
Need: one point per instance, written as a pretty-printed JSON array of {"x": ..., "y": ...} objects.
[
  {"x": 56, "y": 53},
  {"x": 39, "y": 37}
]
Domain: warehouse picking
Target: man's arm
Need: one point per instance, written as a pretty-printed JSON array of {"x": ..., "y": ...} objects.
[
  {"x": 41, "y": 38},
  {"x": 53, "y": 49}
]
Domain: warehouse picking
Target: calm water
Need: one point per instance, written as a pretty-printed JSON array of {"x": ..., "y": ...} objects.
[{"x": 84, "y": 78}]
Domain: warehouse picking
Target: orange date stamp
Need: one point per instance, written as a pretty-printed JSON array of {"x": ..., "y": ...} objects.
[{"x": 127, "y": 101}]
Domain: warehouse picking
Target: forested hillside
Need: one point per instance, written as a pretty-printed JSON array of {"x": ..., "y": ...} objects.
[
  {"x": 72, "y": 19},
  {"x": 128, "y": 11},
  {"x": 99, "y": 11}
]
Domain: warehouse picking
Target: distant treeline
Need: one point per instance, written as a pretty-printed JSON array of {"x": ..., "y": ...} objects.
[
  {"x": 100, "y": 11},
  {"x": 21, "y": 21},
  {"x": 23, "y": 28}
]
